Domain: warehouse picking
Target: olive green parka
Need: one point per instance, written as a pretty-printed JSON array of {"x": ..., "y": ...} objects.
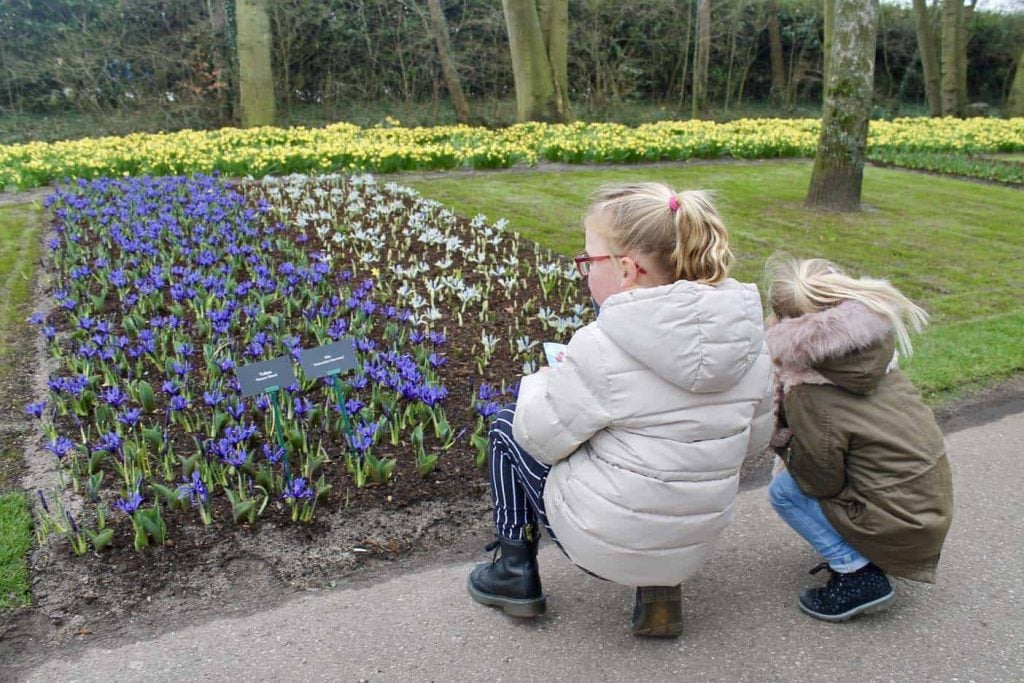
[{"x": 863, "y": 442}]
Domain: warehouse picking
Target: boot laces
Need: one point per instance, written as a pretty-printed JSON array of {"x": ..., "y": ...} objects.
[{"x": 495, "y": 547}]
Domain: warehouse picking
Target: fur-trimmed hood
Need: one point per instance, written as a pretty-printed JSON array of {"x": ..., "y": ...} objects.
[{"x": 848, "y": 345}]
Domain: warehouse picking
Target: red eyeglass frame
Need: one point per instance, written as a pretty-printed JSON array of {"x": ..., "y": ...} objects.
[{"x": 582, "y": 259}]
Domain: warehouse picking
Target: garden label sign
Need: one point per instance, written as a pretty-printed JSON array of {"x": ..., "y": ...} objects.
[
  {"x": 265, "y": 376},
  {"x": 269, "y": 376},
  {"x": 331, "y": 360}
]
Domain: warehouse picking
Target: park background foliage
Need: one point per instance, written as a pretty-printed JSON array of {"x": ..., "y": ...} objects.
[{"x": 173, "y": 63}]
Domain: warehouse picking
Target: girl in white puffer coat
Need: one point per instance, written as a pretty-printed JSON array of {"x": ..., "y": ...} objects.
[{"x": 628, "y": 454}]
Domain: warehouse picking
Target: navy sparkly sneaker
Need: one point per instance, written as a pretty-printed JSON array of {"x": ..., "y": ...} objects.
[{"x": 847, "y": 595}]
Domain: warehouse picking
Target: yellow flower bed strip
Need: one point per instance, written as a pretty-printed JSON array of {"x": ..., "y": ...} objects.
[{"x": 346, "y": 147}]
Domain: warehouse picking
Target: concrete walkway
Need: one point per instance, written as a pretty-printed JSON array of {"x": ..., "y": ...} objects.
[{"x": 741, "y": 619}]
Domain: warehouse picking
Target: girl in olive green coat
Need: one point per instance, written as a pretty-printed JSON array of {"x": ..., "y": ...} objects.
[{"x": 866, "y": 480}]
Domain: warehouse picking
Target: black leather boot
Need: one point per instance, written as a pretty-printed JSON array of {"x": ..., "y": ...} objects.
[
  {"x": 658, "y": 612},
  {"x": 510, "y": 581}
]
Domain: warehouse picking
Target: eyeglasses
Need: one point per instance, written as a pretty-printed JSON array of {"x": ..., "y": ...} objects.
[{"x": 583, "y": 261}]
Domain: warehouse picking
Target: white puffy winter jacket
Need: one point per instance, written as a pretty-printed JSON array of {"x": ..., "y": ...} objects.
[{"x": 646, "y": 425}]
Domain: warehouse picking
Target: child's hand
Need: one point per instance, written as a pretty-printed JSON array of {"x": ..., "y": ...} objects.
[{"x": 780, "y": 439}]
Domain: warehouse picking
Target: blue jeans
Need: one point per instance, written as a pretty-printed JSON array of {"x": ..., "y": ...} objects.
[{"x": 804, "y": 514}]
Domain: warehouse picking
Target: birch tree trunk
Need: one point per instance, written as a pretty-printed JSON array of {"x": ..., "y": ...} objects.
[
  {"x": 952, "y": 14},
  {"x": 451, "y": 78},
  {"x": 255, "y": 78},
  {"x": 928, "y": 50},
  {"x": 701, "y": 55},
  {"x": 838, "y": 173}
]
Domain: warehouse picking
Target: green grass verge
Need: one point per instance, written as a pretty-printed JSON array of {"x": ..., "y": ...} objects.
[
  {"x": 1003, "y": 168},
  {"x": 955, "y": 247},
  {"x": 19, "y": 253},
  {"x": 15, "y": 541}
]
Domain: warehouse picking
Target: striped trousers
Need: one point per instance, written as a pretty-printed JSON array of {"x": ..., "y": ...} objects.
[{"x": 517, "y": 482}]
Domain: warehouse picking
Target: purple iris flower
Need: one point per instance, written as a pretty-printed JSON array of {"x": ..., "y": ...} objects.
[
  {"x": 436, "y": 360},
  {"x": 179, "y": 403},
  {"x": 60, "y": 446},
  {"x": 438, "y": 338},
  {"x": 36, "y": 409},
  {"x": 301, "y": 406},
  {"x": 171, "y": 388},
  {"x": 109, "y": 442},
  {"x": 433, "y": 395},
  {"x": 213, "y": 398},
  {"x": 195, "y": 489},
  {"x": 353, "y": 406},
  {"x": 130, "y": 417},
  {"x": 226, "y": 365},
  {"x": 130, "y": 504},
  {"x": 114, "y": 397},
  {"x": 273, "y": 454},
  {"x": 180, "y": 369},
  {"x": 297, "y": 490},
  {"x": 486, "y": 410},
  {"x": 236, "y": 410}
]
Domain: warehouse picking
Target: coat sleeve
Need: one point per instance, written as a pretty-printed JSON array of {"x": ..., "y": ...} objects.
[
  {"x": 817, "y": 458},
  {"x": 560, "y": 408},
  {"x": 763, "y": 423}
]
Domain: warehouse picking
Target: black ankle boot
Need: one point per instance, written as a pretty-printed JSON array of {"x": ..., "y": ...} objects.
[
  {"x": 510, "y": 582},
  {"x": 658, "y": 612},
  {"x": 847, "y": 595}
]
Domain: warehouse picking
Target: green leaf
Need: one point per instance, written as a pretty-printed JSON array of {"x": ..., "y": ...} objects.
[
  {"x": 146, "y": 396},
  {"x": 101, "y": 539}
]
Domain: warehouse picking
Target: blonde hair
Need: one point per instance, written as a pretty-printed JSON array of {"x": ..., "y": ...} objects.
[
  {"x": 796, "y": 287},
  {"x": 681, "y": 231}
]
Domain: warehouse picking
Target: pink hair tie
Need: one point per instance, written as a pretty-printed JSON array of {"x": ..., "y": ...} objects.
[{"x": 673, "y": 203}]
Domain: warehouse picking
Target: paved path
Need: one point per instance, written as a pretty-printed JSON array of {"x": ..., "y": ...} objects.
[{"x": 741, "y": 618}]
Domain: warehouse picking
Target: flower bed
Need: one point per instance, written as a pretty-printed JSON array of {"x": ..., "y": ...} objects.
[
  {"x": 348, "y": 148},
  {"x": 165, "y": 287}
]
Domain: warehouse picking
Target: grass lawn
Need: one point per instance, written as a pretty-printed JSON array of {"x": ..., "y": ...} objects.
[
  {"x": 19, "y": 251},
  {"x": 15, "y": 540},
  {"x": 953, "y": 246}
]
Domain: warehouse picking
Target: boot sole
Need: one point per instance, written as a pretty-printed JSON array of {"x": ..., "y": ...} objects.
[
  {"x": 514, "y": 607},
  {"x": 874, "y": 606},
  {"x": 662, "y": 631}
]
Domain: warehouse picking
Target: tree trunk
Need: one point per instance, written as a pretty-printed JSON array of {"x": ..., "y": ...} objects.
[
  {"x": 826, "y": 44},
  {"x": 778, "y": 91},
  {"x": 1015, "y": 103},
  {"x": 531, "y": 68},
  {"x": 255, "y": 78},
  {"x": 952, "y": 13},
  {"x": 554, "y": 16},
  {"x": 962, "y": 38},
  {"x": 839, "y": 163},
  {"x": 701, "y": 55},
  {"x": 929, "y": 57},
  {"x": 451, "y": 78}
]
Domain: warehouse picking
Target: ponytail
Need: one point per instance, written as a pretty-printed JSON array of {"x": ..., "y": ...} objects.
[
  {"x": 796, "y": 287},
  {"x": 681, "y": 233}
]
